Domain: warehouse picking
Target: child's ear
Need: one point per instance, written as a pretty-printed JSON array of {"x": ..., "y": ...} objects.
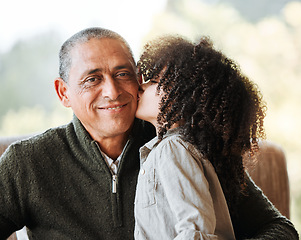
[{"x": 61, "y": 88}]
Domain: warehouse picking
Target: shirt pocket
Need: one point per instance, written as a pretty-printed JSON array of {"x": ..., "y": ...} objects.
[{"x": 146, "y": 188}]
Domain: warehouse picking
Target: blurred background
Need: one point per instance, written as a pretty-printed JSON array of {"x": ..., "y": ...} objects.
[{"x": 263, "y": 36}]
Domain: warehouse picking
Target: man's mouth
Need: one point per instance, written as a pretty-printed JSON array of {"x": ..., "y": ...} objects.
[{"x": 113, "y": 108}]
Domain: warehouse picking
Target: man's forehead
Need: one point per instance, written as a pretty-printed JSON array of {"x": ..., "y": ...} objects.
[
  {"x": 105, "y": 44},
  {"x": 102, "y": 48}
]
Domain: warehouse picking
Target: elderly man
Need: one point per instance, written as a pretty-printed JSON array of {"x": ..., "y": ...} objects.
[{"x": 78, "y": 181}]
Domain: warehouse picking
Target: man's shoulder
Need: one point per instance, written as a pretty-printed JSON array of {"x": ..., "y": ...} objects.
[{"x": 51, "y": 139}]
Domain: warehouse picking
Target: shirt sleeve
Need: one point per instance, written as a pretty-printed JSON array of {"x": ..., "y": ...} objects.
[{"x": 187, "y": 192}]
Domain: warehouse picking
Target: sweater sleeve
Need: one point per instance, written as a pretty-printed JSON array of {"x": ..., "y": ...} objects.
[
  {"x": 257, "y": 218},
  {"x": 10, "y": 207}
]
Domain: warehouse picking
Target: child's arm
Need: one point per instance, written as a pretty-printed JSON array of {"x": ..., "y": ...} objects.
[{"x": 187, "y": 192}]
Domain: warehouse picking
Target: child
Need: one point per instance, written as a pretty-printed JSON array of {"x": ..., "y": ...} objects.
[{"x": 207, "y": 115}]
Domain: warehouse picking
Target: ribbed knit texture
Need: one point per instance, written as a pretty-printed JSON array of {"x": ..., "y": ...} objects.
[
  {"x": 258, "y": 219},
  {"x": 59, "y": 186}
]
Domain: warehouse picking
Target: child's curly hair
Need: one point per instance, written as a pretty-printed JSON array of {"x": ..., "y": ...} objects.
[{"x": 221, "y": 109}]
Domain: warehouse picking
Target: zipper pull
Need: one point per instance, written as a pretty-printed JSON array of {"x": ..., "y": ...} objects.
[{"x": 114, "y": 183}]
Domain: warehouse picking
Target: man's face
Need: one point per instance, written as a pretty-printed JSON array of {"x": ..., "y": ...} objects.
[{"x": 102, "y": 87}]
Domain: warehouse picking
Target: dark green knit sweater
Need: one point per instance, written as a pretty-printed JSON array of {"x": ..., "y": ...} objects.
[{"x": 59, "y": 186}]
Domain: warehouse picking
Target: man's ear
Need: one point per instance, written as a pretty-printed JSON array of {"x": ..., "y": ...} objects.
[{"x": 61, "y": 88}]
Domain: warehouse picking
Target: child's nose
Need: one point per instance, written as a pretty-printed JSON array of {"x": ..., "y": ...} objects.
[{"x": 142, "y": 87}]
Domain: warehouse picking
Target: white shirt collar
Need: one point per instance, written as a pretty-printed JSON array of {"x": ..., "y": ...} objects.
[{"x": 113, "y": 165}]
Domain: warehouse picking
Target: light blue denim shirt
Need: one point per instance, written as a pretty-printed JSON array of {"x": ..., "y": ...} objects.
[{"x": 178, "y": 194}]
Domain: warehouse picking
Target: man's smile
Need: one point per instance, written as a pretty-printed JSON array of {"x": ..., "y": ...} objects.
[{"x": 113, "y": 107}]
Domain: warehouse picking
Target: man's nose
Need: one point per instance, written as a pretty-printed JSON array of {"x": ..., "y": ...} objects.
[{"x": 111, "y": 88}]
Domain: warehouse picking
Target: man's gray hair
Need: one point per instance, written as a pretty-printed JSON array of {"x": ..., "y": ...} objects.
[{"x": 82, "y": 37}]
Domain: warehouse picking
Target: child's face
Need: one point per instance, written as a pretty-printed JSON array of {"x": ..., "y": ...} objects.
[{"x": 148, "y": 101}]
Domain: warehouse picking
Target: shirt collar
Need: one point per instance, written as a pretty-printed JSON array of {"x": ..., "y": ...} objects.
[
  {"x": 152, "y": 143},
  {"x": 149, "y": 146},
  {"x": 111, "y": 162}
]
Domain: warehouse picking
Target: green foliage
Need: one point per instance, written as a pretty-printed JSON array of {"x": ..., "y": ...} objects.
[{"x": 27, "y": 72}]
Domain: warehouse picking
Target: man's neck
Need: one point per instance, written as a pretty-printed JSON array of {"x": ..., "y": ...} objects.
[{"x": 113, "y": 146}]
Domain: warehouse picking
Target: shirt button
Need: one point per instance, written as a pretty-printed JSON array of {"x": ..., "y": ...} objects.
[{"x": 142, "y": 171}]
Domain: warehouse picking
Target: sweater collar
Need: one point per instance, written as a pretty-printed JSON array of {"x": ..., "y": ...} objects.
[{"x": 141, "y": 132}]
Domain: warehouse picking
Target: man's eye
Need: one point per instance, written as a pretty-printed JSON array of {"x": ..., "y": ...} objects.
[
  {"x": 92, "y": 79},
  {"x": 123, "y": 75}
]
